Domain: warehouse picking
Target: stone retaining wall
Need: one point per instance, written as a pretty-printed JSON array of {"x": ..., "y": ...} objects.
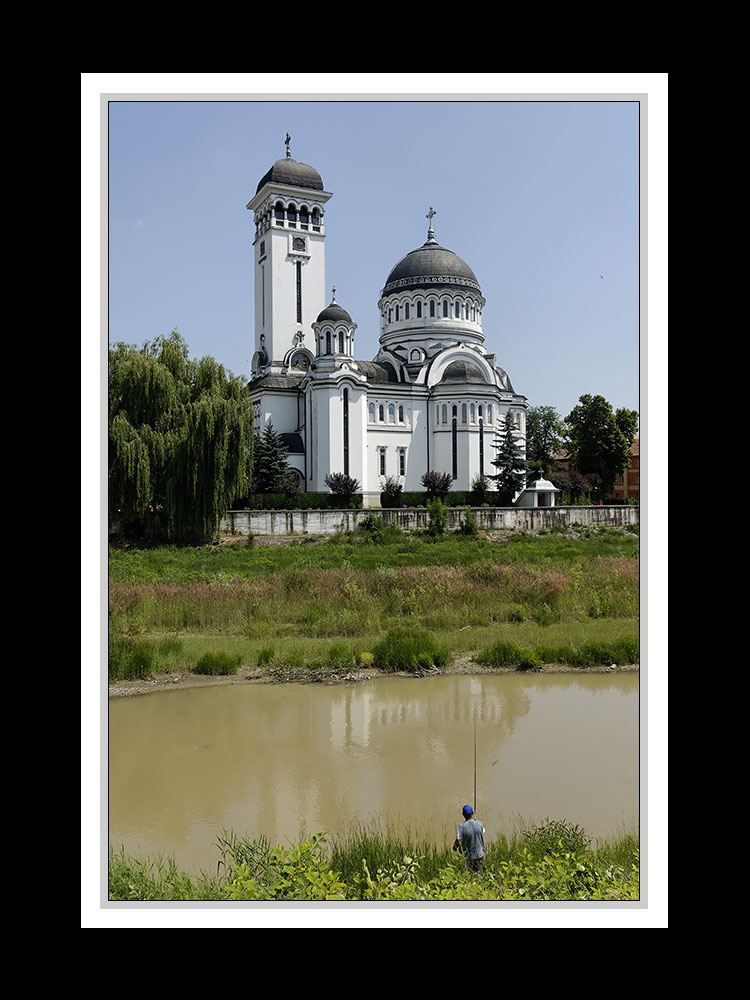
[{"x": 329, "y": 522}]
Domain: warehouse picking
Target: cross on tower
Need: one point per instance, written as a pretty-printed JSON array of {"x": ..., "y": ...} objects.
[
  {"x": 431, "y": 231},
  {"x": 286, "y": 143}
]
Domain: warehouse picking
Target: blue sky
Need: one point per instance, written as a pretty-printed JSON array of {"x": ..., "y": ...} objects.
[{"x": 540, "y": 198}]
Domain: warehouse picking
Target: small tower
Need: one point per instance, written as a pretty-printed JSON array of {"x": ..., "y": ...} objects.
[
  {"x": 334, "y": 335},
  {"x": 289, "y": 259}
]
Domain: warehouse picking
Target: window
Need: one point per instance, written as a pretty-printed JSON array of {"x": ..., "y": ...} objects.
[
  {"x": 402, "y": 461},
  {"x": 472, "y": 414},
  {"x": 445, "y": 309},
  {"x": 432, "y": 308},
  {"x": 304, "y": 218},
  {"x": 401, "y": 414},
  {"x": 328, "y": 341},
  {"x": 419, "y": 310},
  {"x": 341, "y": 341},
  {"x": 397, "y": 308},
  {"x": 346, "y": 432},
  {"x": 463, "y": 413},
  {"x": 291, "y": 214},
  {"x": 316, "y": 220},
  {"x": 381, "y": 461},
  {"x": 391, "y": 413},
  {"x": 299, "y": 291},
  {"x": 445, "y": 414},
  {"x": 481, "y": 412},
  {"x": 489, "y": 414},
  {"x": 406, "y": 311},
  {"x": 458, "y": 311},
  {"x": 279, "y": 212},
  {"x": 381, "y": 413},
  {"x": 371, "y": 411},
  {"x": 262, "y": 248},
  {"x": 390, "y": 315}
]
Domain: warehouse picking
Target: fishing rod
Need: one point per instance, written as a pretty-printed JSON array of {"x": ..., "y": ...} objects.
[{"x": 475, "y": 767}]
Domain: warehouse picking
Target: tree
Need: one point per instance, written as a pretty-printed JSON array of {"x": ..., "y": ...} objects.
[
  {"x": 509, "y": 462},
  {"x": 180, "y": 441},
  {"x": 341, "y": 485},
  {"x": 599, "y": 440},
  {"x": 544, "y": 437},
  {"x": 271, "y": 471},
  {"x": 437, "y": 483}
]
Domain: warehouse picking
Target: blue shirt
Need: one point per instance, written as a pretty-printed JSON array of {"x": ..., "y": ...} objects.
[{"x": 471, "y": 834}]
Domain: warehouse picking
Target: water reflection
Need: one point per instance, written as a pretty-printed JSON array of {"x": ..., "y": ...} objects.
[{"x": 285, "y": 761}]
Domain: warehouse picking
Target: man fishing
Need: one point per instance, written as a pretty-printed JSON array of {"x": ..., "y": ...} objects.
[{"x": 470, "y": 839}]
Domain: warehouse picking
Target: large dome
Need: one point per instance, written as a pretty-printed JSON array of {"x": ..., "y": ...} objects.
[
  {"x": 431, "y": 266},
  {"x": 292, "y": 173}
]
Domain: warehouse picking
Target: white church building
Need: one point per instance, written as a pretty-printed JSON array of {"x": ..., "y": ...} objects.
[{"x": 432, "y": 399}]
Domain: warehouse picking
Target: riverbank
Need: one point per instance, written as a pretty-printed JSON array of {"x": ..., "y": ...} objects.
[{"x": 180, "y": 680}]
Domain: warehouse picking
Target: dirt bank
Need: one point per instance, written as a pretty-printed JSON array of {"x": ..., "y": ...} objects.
[{"x": 180, "y": 679}]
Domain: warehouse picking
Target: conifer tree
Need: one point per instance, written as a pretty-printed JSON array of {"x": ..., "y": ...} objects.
[
  {"x": 180, "y": 441},
  {"x": 510, "y": 477},
  {"x": 271, "y": 471}
]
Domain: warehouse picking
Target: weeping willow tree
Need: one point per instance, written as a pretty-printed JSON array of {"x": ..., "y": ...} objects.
[{"x": 180, "y": 441}]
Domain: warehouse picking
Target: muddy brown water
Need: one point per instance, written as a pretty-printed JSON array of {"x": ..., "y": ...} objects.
[{"x": 286, "y": 761}]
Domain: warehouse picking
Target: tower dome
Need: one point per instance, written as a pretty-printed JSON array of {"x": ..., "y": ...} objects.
[{"x": 293, "y": 174}]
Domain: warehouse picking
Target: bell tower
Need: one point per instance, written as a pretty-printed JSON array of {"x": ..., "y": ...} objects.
[{"x": 288, "y": 260}]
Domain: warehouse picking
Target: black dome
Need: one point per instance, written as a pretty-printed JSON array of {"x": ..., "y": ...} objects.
[
  {"x": 292, "y": 173},
  {"x": 429, "y": 266},
  {"x": 334, "y": 314},
  {"x": 463, "y": 371}
]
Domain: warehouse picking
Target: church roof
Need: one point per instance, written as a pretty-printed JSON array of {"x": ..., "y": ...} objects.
[
  {"x": 463, "y": 371},
  {"x": 275, "y": 382},
  {"x": 377, "y": 372},
  {"x": 292, "y": 173},
  {"x": 429, "y": 266}
]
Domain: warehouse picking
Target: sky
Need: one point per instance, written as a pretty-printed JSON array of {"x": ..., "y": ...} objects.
[{"x": 539, "y": 197}]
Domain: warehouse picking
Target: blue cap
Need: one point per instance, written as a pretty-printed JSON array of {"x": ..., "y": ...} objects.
[{"x": 467, "y": 811}]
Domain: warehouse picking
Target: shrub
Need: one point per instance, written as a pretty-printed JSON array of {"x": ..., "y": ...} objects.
[
  {"x": 437, "y": 483},
  {"x": 341, "y": 485},
  {"x": 554, "y": 834},
  {"x": 438, "y": 514},
  {"x": 217, "y": 663},
  {"x": 501, "y": 654},
  {"x": 391, "y": 492},
  {"x": 265, "y": 656},
  {"x": 469, "y": 525},
  {"x": 409, "y": 650}
]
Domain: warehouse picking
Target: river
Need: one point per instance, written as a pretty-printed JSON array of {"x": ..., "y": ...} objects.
[{"x": 285, "y": 761}]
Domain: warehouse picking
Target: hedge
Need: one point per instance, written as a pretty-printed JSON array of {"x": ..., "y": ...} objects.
[{"x": 297, "y": 501}]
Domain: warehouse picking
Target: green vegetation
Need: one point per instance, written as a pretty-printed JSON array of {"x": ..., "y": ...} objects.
[
  {"x": 556, "y": 597},
  {"x": 553, "y": 861}
]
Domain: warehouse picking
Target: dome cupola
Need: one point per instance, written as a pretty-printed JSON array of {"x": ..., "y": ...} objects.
[{"x": 431, "y": 291}]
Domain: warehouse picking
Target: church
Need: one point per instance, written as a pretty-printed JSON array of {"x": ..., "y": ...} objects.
[{"x": 433, "y": 398}]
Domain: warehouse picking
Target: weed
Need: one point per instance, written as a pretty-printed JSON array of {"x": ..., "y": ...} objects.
[{"x": 217, "y": 664}]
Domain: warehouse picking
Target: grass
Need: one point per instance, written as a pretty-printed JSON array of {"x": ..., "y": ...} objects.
[
  {"x": 554, "y": 860},
  {"x": 331, "y": 604}
]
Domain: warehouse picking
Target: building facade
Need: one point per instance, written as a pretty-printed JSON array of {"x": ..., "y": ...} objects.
[{"x": 433, "y": 398}]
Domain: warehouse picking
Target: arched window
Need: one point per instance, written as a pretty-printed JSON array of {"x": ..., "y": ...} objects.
[
  {"x": 480, "y": 411},
  {"x": 316, "y": 219},
  {"x": 401, "y": 414},
  {"x": 445, "y": 309},
  {"x": 381, "y": 413},
  {"x": 472, "y": 414},
  {"x": 397, "y": 313},
  {"x": 328, "y": 341},
  {"x": 279, "y": 212},
  {"x": 432, "y": 308},
  {"x": 390, "y": 314},
  {"x": 458, "y": 311},
  {"x": 463, "y": 413},
  {"x": 371, "y": 410},
  {"x": 489, "y": 413},
  {"x": 406, "y": 311},
  {"x": 419, "y": 310},
  {"x": 391, "y": 413},
  {"x": 341, "y": 341},
  {"x": 291, "y": 214},
  {"x": 304, "y": 218},
  {"x": 445, "y": 414}
]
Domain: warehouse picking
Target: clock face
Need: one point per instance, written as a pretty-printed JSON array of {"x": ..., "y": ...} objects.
[{"x": 300, "y": 361}]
